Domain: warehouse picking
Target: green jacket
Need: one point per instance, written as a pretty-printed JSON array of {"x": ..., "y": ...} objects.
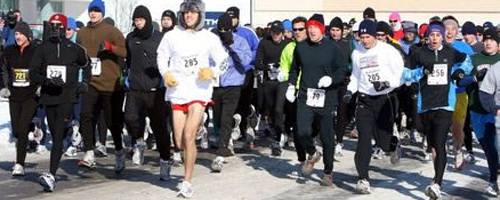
[{"x": 286, "y": 60}]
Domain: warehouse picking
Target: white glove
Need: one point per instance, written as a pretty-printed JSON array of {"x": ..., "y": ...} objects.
[
  {"x": 290, "y": 93},
  {"x": 408, "y": 83},
  {"x": 324, "y": 82},
  {"x": 38, "y": 91},
  {"x": 281, "y": 76},
  {"x": 5, "y": 93}
]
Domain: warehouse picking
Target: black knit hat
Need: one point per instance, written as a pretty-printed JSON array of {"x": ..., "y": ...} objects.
[
  {"x": 490, "y": 34},
  {"x": 337, "y": 22},
  {"x": 225, "y": 22},
  {"x": 385, "y": 28},
  {"x": 171, "y": 15},
  {"x": 469, "y": 28},
  {"x": 233, "y": 12},
  {"x": 24, "y": 28},
  {"x": 369, "y": 13},
  {"x": 277, "y": 26},
  {"x": 479, "y": 29},
  {"x": 368, "y": 27},
  {"x": 318, "y": 17}
]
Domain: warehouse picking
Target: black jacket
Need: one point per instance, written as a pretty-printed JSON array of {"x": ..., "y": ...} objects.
[
  {"x": 65, "y": 53},
  {"x": 15, "y": 69},
  {"x": 316, "y": 60},
  {"x": 143, "y": 74},
  {"x": 268, "y": 52}
]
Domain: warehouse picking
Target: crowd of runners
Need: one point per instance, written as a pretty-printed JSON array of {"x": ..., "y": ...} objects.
[{"x": 381, "y": 83}]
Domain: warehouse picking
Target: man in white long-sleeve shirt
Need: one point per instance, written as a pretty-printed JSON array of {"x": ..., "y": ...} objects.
[
  {"x": 183, "y": 59},
  {"x": 377, "y": 70}
]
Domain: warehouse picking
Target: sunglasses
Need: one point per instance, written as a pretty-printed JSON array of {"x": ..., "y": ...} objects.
[
  {"x": 393, "y": 21},
  {"x": 381, "y": 35},
  {"x": 298, "y": 29}
]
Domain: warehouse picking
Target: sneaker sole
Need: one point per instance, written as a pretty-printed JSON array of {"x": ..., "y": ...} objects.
[{"x": 86, "y": 165}]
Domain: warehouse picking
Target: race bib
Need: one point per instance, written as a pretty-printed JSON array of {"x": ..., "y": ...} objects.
[
  {"x": 373, "y": 75},
  {"x": 439, "y": 76},
  {"x": 315, "y": 97},
  {"x": 54, "y": 71},
  {"x": 21, "y": 78},
  {"x": 95, "y": 63}
]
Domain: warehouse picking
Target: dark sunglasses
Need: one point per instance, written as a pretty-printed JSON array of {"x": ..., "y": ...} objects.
[
  {"x": 381, "y": 35},
  {"x": 393, "y": 21},
  {"x": 298, "y": 29}
]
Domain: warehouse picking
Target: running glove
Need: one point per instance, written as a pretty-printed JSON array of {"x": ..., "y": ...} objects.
[
  {"x": 170, "y": 80},
  {"x": 106, "y": 46},
  {"x": 55, "y": 82},
  {"x": 5, "y": 93},
  {"x": 290, "y": 93},
  {"x": 324, "y": 82},
  {"x": 481, "y": 74},
  {"x": 458, "y": 74},
  {"x": 205, "y": 74},
  {"x": 380, "y": 85}
]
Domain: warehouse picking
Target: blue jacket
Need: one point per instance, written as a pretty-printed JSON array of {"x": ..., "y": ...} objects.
[
  {"x": 252, "y": 41},
  {"x": 463, "y": 48},
  {"x": 8, "y": 35},
  {"x": 406, "y": 47},
  {"x": 240, "y": 56}
]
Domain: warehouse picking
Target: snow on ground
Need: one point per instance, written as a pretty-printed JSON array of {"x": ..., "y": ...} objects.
[{"x": 7, "y": 142}]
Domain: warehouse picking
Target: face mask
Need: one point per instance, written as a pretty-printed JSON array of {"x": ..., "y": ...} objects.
[{"x": 56, "y": 32}]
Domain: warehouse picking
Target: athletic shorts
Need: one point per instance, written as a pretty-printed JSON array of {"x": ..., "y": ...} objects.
[
  {"x": 461, "y": 108},
  {"x": 184, "y": 107}
]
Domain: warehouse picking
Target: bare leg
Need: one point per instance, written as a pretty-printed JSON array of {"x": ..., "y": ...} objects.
[
  {"x": 194, "y": 116},
  {"x": 179, "y": 119}
]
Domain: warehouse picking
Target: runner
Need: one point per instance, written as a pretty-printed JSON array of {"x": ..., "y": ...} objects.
[
  {"x": 376, "y": 72},
  {"x": 322, "y": 67},
  {"x": 20, "y": 90},
  {"x": 434, "y": 66},
  {"x": 55, "y": 66},
  {"x": 183, "y": 59}
]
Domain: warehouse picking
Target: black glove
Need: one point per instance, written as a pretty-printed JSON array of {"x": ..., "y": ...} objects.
[
  {"x": 428, "y": 69},
  {"x": 480, "y": 74},
  {"x": 82, "y": 88},
  {"x": 55, "y": 82},
  {"x": 458, "y": 74},
  {"x": 380, "y": 85},
  {"x": 226, "y": 38},
  {"x": 346, "y": 80},
  {"x": 347, "y": 97}
]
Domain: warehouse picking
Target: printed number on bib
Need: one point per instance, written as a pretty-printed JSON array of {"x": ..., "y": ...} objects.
[
  {"x": 96, "y": 66},
  {"x": 373, "y": 76},
  {"x": 190, "y": 62},
  {"x": 439, "y": 76},
  {"x": 315, "y": 98},
  {"x": 21, "y": 78},
  {"x": 54, "y": 71}
]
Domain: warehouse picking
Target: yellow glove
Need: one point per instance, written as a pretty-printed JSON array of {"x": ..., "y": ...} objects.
[
  {"x": 170, "y": 80},
  {"x": 205, "y": 74}
]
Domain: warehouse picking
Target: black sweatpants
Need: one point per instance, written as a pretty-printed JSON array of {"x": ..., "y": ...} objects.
[
  {"x": 225, "y": 103},
  {"x": 245, "y": 100},
  {"x": 345, "y": 113},
  {"x": 374, "y": 119},
  {"x": 138, "y": 105},
  {"x": 436, "y": 126},
  {"x": 468, "y": 132},
  {"x": 21, "y": 114},
  {"x": 291, "y": 128},
  {"x": 58, "y": 117},
  {"x": 275, "y": 104},
  {"x": 93, "y": 102},
  {"x": 306, "y": 116}
]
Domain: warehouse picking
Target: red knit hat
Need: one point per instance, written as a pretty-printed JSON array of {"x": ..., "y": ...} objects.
[{"x": 60, "y": 17}]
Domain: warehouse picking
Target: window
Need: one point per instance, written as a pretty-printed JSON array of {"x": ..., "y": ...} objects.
[
  {"x": 46, "y": 8},
  {"x": 5, "y": 5}
]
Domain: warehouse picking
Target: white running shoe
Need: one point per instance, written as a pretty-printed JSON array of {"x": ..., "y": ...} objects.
[
  {"x": 363, "y": 186},
  {"x": 120, "y": 161},
  {"x": 138, "y": 157},
  {"x": 217, "y": 164},
  {"x": 37, "y": 132},
  {"x": 236, "y": 132},
  {"x": 165, "y": 168},
  {"x": 186, "y": 189},
  {"x": 378, "y": 154},
  {"x": 17, "y": 170},
  {"x": 88, "y": 160},
  {"x": 204, "y": 140},
  {"x": 283, "y": 140},
  {"x": 339, "y": 149},
  {"x": 76, "y": 137},
  {"x": 47, "y": 181},
  {"x": 71, "y": 151},
  {"x": 276, "y": 149},
  {"x": 100, "y": 150},
  {"x": 177, "y": 159},
  {"x": 433, "y": 191},
  {"x": 492, "y": 189}
]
